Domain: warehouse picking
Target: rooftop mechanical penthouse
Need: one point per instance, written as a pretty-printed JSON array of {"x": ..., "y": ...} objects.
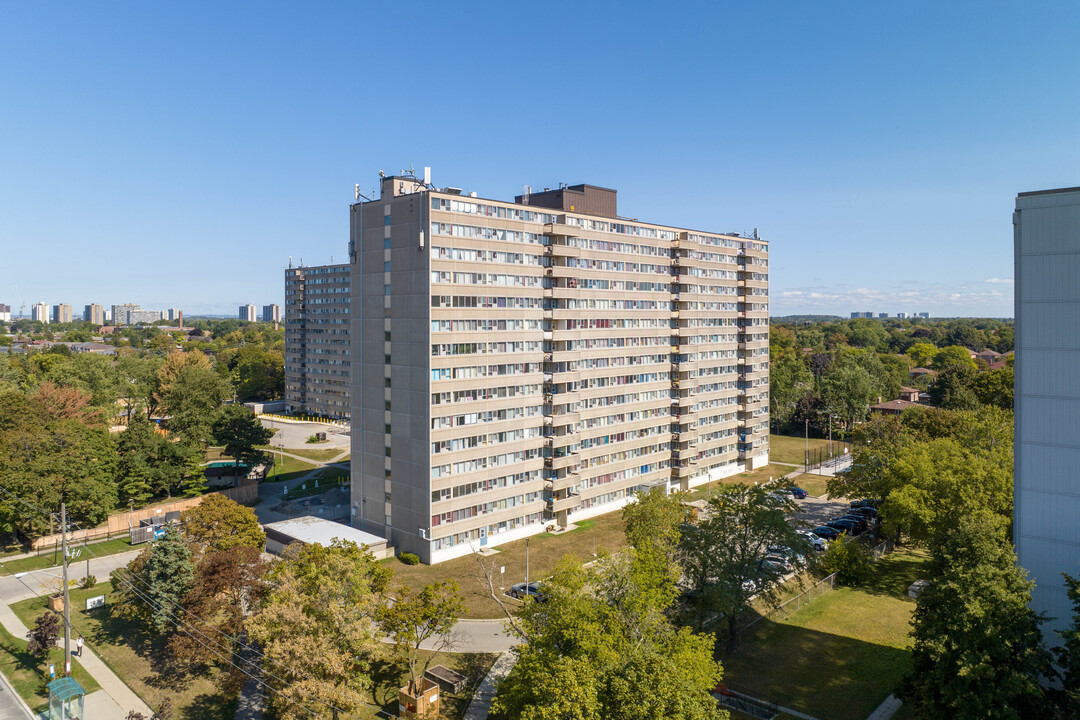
[{"x": 536, "y": 362}]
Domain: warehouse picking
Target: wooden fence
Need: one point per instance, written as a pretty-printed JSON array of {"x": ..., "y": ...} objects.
[{"x": 121, "y": 523}]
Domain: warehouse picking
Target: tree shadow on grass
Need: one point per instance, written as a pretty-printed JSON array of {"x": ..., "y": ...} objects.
[
  {"x": 210, "y": 706},
  {"x": 891, "y": 574},
  {"x": 387, "y": 677},
  {"x": 819, "y": 673}
]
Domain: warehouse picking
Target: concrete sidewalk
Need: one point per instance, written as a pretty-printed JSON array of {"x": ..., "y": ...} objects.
[
  {"x": 118, "y": 698},
  {"x": 480, "y": 705}
]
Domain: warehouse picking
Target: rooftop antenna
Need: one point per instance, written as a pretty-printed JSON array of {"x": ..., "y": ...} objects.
[{"x": 290, "y": 261}]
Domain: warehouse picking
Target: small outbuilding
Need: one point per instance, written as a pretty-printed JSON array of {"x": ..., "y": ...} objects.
[
  {"x": 319, "y": 531},
  {"x": 66, "y": 697}
]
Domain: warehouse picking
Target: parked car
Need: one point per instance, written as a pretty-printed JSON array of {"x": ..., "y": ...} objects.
[
  {"x": 867, "y": 512},
  {"x": 826, "y": 532},
  {"x": 766, "y": 566},
  {"x": 851, "y": 528},
  {"x": 798, "y": 493},
  {"x": 521, "y": 591},
  {"x": 779, "y": 561},
  {"x": 863, "y": 523},
  {"x": 816, "y": 541}
]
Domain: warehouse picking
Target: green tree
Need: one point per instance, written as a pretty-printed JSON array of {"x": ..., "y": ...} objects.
[
  {"x": 1067, "y": 655},
  {"x": 218, "y": 523},
  {"x": 849, "y": 560},
  {"x": 237, "y": 428},
  {"x": 191, "y": 399},
  {"x": 317, "y": 627},
  {"x": 152, "y": 587},
  {"x": 413, "y": 619},
  {"x": 259, "y": 373},
  {"x": 978, "y": 649},
  {"x": 847, "y": 390},
  {"x": 995, "y": 387},
  {"x": 922, "y": 354},
  {"x": 720, "y": 553},
  {"x": 789, "y": 379},
  {"x": 952, "y": 389},
  {"x": 594, "y": 651},
  {"x": 652, "y": 524},
  {"x": 953, "y": 356}
]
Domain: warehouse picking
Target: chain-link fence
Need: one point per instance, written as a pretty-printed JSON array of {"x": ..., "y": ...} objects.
[{"x": 789, "y": 607}]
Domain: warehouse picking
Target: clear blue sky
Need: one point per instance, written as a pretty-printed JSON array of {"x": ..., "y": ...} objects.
[{"x": 176, "y": 154}]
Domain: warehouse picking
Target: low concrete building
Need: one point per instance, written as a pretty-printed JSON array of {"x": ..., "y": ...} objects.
[{"x": 315, "y": 530}]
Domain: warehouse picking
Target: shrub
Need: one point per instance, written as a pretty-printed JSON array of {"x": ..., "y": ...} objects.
[
  {"x": 313, "y": 438},
  {"x": 410, "y": 558},
  {"x": 88, "y": 582},
  {"x": 849, "y": 560}
]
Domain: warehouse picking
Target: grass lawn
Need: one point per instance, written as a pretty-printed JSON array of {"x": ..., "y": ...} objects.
[
  {"x": 327, "y": 479},
  {"x": 839, "y": 656},
  {"x": 137, "y": 657},
  {"x": 29, "y": 677},
  {"x": 287, "y": 468},
  {"x": 321, "y": 455},
  {"x": 813, "y": 484},
  {"x": 760, "y": 475},
  {"x": 52, "y": 559},
  {"x": 216, "y": 453},
  {"x": 788, "y": 449},
  {"x": 545, "y": 551},
  {"x": 392, "y": 673}
]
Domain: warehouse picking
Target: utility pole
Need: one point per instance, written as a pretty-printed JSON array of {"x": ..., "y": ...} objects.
[
  {"x": 526, "y": 566},
  {"x": 806, "y": 453},
  {"x": 67, "y": 603}
]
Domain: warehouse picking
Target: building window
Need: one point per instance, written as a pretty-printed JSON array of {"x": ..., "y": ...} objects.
[
  {"x": 386, "y": 266},
  {"x": 387, "y": 428},
  {"x": 386, "y": 382},
  {"x": 386, "y": 243}
]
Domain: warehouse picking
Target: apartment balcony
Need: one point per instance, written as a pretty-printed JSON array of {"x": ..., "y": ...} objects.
[
  {"x": 557, "y": 505},
  {"x": 570, "y": 480},
  {"x": 558, "y": 230}
]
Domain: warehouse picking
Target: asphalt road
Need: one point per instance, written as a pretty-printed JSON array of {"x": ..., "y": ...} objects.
[{"x": 21, "y": 586}]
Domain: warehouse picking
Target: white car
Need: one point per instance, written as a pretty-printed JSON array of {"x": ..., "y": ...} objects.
[{"x": 816, "y": 542}]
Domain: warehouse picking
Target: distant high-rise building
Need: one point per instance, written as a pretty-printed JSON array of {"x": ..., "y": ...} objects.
[
  {"x": 39, "y": 312},
  {"x": 94, "y": 314},
  {"x": 144, "y": 317},
  {"x": 862, "y": 315},
  {"x": 120, "y": 313},
  {"x": 317, "y": 302},
  {"x": 883, "y": 315},
  {"x": 174, "y": 315},
  {"x": 272, "y": 313},
  {"x": 540, "y": 360},
  {"x": 61, "y": 313},
  {"x": 5, "y": 313},
  {"x": 1046, "y": 502},
  {"x": 924, "y": 315},
  {"x": 901, "y": 315},
  {"x": 247, "y": 312}
]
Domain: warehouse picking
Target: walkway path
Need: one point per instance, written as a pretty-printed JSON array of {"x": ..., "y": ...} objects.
[
  {"x": 888, "y": 707},
  {"x": 480, "y": 705},
  {"x": 118, "y": 699}
]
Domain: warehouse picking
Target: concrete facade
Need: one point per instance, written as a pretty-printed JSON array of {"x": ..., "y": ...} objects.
[
  {"x": 247, "y": 312},
  {"x": 1046, "y": 522},
  {"x": 520, "y": 365},
  {"x": 317, "y": 306},
  {"x": 40, "y": 312},
  {"x": 271, "y": 313},
  {"x": 94, "y": 314},
  {"x": 61, "y": 313}
]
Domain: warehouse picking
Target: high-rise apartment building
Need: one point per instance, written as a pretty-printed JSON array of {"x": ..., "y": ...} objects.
[
  {"x": 120, "y": 313},
  {"x": 247, "y": 312},
  {"x": 536, "y": 362},
  {"x": 174, "y": 315},
  {"x": 61, "y": 313},
  {"x": 1046, "y": 512},
  {"x": 94, "y": 314},
  {"x": 5, "y": 313},
  {"x": 317, "y": 351},
  {"x": 39, "y": 312},
  {"x": 271, "y": 313}
]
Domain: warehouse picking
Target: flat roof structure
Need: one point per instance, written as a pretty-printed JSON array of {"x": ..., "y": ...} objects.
[{"x": 313, "y": 530}]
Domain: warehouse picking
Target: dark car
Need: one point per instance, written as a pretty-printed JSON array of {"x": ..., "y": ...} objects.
[
  {"x": 798, "y": 493},
  {"x": 521, "y": 591},
  {"x": 827, "y": 533},
  {"x": 859, "y": 520},
  {"x": 867, "y": 512},
  {"x": 851, "y": 528}
]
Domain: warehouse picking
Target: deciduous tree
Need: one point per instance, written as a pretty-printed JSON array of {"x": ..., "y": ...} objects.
[
  {"x": 317, "y": 628},
  {"x": 218, "y": 523},
  {"x": 978, "y": 649},
  {"x": 237, "y": 428},
  {"x": 411, "y": 619},
  {"x": 42, "y": 637}
]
